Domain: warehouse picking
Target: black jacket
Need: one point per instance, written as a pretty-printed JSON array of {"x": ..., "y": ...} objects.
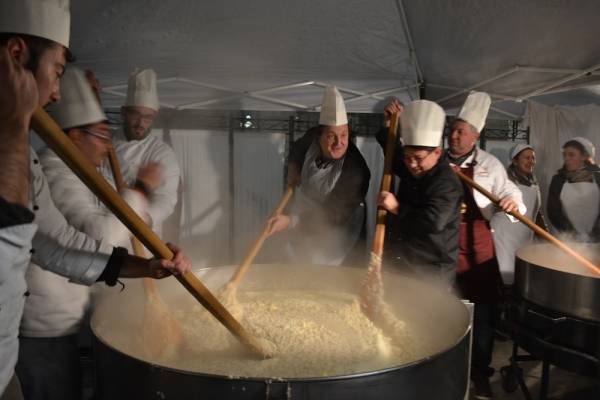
[
  {"x": 348, "y": 193},
  {"x": 426, "y": 229},
  {"x": 556, "y": 213}
]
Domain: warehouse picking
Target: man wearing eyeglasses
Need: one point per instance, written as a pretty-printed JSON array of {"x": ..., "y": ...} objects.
[
  {"x": 48, "y": 364},
  {"x": 424, "y": 220},
  {"x": 142, "y": 149}
]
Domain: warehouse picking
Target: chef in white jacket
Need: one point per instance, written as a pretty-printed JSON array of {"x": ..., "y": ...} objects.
[
  {"x": 478, "y": 275},
  {"x": 34, "y": 40},
  {"x": 48, "y": 365},
  {"x": 140, "y": 148}
]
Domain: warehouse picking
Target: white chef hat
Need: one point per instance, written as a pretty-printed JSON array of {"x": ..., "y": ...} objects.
[
  {"x": 141, "y": 89},
  {"x": 333, "y": 110},
  {"x": 519, "y": 148},
  {"x": 475, "y": 109},
  {"x": 78, "y": 106},
  {"x": 422, "y": 124},
  {"x": 587, "y": 145},
  {"x": 48, "y": 19}
]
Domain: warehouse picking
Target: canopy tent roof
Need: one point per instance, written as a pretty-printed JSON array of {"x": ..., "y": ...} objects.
[{"x": 277, "y": 55}]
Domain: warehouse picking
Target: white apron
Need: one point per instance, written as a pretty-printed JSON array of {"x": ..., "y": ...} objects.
[
  {"x": 332, "y": 244},
  {"x": 510, "y": 236},
  {"x": 581, "y": 204}
]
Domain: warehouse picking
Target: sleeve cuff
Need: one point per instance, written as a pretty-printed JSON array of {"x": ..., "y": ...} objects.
[
  {"x": 14, "y": 214},
  {"x": 110, "y": 275}
]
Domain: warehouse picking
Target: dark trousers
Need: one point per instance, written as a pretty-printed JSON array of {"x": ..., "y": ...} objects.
[
  {"x": 484, "y": 323},
  {"x": 49, "y": 368}
]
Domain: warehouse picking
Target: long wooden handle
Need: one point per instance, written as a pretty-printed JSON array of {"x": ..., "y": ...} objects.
[
  {"x": 386, "y": 183},
  {"x": 136, "y": 245},
  {"x": 243, "y": 268},
  {"x": 50, "y": 132},
  {"x": 530, "y": 224}
]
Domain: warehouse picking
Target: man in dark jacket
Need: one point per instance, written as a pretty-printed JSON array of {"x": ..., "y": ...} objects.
[
  {"x": 425, "y": 215},
  {"x": 328, "y": 215}
]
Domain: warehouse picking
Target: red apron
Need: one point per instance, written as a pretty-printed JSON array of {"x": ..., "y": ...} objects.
[{"x": 478, "y": 275}]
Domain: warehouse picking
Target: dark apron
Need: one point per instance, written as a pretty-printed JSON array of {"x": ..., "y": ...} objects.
[{"x": 478, "y": 275}]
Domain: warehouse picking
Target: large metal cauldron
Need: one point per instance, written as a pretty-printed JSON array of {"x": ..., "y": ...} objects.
[
  {"x": 548, "y": 277},
  {"x": 556, "y": 313},
  {"x": 438, "y": 316}
]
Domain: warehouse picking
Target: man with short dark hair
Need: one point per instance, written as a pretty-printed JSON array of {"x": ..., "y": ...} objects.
[
  {"x": 56, "y": 245},
  {"x": 141, "y": 149},
  {"x": 424, "y": 211}
]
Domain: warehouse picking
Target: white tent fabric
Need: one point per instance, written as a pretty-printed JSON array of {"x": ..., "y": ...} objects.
[
  {"x": 278, "y": 55},
  {"x": 551, "y": 127}
]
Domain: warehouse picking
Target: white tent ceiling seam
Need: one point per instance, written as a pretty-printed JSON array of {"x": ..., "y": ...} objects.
[
  {"x": 259, "y": 94},
  {"x": 409, "y": 40}
]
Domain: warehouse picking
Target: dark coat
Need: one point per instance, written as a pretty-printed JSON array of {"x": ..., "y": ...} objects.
[
  {"x": 556, "y": 213},
  {"x": 426, "y": 229},
  {"x": 348, "y": 193}
]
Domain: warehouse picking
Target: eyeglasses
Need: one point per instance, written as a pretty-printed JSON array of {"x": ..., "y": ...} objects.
[
  {"x": 148, "y": 118},
  {"x": 103, "y": 137},
  {"x": 416, "y": 160}
]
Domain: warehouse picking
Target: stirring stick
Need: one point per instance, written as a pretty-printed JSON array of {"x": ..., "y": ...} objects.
[
  {"x": 159, "y": 329},
  {"x": 245, "y": 265},
  {"x": 51, "y": 133},
  {"x": 531, "y": 225},
  {"x": 371, "y": 294}
]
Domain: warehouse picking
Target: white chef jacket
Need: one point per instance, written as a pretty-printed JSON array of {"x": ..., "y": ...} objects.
[
  {"x": 55, "y": 307},
  {"x": 137, "y": 153}
]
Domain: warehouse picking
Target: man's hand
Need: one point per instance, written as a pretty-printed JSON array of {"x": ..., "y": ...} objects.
[
  {"x": 278, "y": 223},
  {"x": 395, "y": 106},
  {"x": 18, "y": 88},
  {"x": 161, "y": 268},
  {"x": 507, "y": 204},
  {"x": 151, "y": 175},
  {"x": 388, "y": 201}
]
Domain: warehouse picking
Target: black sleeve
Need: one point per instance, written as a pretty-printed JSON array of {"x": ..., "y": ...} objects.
[
  {"x": 12, "y": 214},
  {"x": 110, "y": 275},
  {"x": 348, "y": 193},
  {"x": 555, "y": 210},
  {"x": 442, "y": 205},
  {"x": 300, "y": 147}
]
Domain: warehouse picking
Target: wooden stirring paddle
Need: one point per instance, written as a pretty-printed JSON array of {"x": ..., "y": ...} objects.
[
  {"x": 229, "y": 292},
  {"x": 160, "y": 331},
  {"x": 55, "y": 138},
  {"x": 531, "y": 225},
  {"x": 371, "y": 293}
]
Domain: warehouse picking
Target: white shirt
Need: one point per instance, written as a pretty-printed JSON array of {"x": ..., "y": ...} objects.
[
  {"x": 491, "y": 174},
  {"x": 137, "y": 153},
  {"x": 56, "y": 306}
]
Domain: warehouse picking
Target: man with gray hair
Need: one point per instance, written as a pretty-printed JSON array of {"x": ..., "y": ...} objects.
[{"x": 478, "y": 275}]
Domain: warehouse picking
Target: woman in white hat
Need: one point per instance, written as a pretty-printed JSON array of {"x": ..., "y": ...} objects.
[
  {"x": 574, "y": 195},
  {"x": 509, "y": 236},
  {"x": 326, "y": 222}
]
